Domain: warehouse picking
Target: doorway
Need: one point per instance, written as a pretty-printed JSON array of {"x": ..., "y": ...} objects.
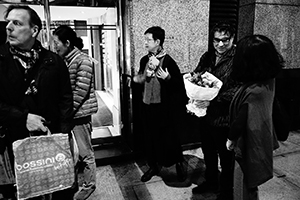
[
  {"x": 97, "y": 27},
  {"x": 100, "y": 29}
]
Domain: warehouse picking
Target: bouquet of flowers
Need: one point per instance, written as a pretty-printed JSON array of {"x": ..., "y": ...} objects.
[{"x": 200, "y": 87}]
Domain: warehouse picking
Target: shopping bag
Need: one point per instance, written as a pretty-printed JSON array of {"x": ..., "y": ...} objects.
[{"x": 43, "y": 164}]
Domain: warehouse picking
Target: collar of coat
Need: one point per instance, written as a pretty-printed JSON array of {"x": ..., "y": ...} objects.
[
  {"x": 72, "y": 55},
  {"x": 76, "y": 52}
]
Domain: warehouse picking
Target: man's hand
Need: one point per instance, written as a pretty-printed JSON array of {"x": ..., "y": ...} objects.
[
  {"x": 201, "y": 104},
  {"x": 140, "y": 78},
  {"x": 230, "y": 144},
  {"x": 35, "y": 123},
  {"x": 162, "y": 74}
]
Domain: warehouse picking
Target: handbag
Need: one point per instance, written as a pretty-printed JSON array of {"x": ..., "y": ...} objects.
[
  {"x": 281, "y": 120},
  {"x": 43, "y": 165}
]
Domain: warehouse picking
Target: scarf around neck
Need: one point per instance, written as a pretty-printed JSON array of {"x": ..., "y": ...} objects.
[
  {"x": 27, "y": 58},
  {"x": 160, "y": 53}
]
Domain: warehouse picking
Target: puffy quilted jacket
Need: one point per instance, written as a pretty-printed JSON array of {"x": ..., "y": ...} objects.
[{"x": 81, "y": 69}]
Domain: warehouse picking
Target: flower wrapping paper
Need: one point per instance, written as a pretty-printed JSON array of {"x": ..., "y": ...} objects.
[{"x": 196, "y": 92}]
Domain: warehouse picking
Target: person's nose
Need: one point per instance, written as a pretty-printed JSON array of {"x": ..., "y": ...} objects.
[
  {"x": 9, "y": 26},
  {"x": 220, "y": 43}
]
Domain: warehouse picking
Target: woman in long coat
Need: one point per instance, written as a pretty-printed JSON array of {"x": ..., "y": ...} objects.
[{"x": 256, "y": 64}]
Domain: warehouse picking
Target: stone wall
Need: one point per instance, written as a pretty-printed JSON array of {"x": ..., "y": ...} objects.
[
  {"x": 278, "y": 20},
  {"x": 185, "y": 23}
]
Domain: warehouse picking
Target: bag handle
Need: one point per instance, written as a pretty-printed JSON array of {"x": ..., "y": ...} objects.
[{"x": 48, "y": 133}]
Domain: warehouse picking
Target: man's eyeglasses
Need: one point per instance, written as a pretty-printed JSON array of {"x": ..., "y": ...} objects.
[
  {"x": 223, "y": 40},
  {"x": 148, "y": 40}
]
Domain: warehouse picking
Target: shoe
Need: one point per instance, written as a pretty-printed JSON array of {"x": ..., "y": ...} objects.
[
  {"x": 85, "y": 192},
  {"x": 205, "y": 187},
  {"x": 181, "y": 172},
  {"x": 149, "y": 174}
]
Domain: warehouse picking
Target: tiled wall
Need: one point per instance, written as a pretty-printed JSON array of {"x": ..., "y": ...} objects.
[
  {"x": 185, "y": 23},
  {"x": 277, "y": 19}
]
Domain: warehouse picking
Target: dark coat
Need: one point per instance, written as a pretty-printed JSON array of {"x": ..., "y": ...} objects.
[
  {"x": 255, "y": 135},
  {"x": 53, "y": 101},
  {"x": 162, "y": 139},
  {"x": 218, "y": 110},
  {"x": 173, "y": 94}
]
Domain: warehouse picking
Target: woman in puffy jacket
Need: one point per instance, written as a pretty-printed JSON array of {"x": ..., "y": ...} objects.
[{"x": 81, "y": 69}]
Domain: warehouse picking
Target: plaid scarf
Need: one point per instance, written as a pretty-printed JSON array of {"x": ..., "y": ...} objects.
[
  {"x": 27, "y": 58},
  {"x": 160, "y": 53}
]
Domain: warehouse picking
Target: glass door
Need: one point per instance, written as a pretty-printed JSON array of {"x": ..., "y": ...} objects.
[{"x": 97, "y": 26}]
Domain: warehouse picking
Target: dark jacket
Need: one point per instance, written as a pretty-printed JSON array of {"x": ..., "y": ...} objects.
[
  {"x": 164, "y": 127},
  {"x": 253, "y": 131},
  {"x": 173, "y": 94},
  {"x": 218, "y": 110},
  {"x": 53, "y": 101}
]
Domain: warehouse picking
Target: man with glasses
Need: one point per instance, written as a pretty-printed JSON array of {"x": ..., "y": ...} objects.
[
  {"x": 163, "y": 106},
  {"x": 218, "y": 60}
]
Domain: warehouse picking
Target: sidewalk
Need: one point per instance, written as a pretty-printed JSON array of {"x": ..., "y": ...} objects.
[
  {"x": 122, "y": 181},
  {"x": 286, "y": 182}
]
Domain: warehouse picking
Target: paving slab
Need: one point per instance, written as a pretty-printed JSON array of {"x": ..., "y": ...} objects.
[{"x": 122, "y": 181}]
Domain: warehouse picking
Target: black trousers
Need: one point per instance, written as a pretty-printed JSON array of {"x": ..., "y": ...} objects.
[
  {"x": 161, "y": 141},
  {"x": 214, "y": 147}
]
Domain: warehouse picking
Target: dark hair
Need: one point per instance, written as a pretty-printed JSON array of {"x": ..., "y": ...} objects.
[
  {"x": 34, "y": 17},
  {"x": 157, "y": 33},
  {"x": 256, "y": 59},
  {"x": 64, "y": 33},
  {"x": 223, "y": 26}
]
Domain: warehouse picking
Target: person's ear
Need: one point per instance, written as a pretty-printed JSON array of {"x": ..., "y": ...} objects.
[
  {"x": 35, "y": 31},
  {"x": 232, "y": 37},
  {"x": 157, "y": 42},
  {"x": 68, "y": 43}
]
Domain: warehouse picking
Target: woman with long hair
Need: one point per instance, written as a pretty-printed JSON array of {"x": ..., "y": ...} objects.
[{"x": 256, "y": 64}]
